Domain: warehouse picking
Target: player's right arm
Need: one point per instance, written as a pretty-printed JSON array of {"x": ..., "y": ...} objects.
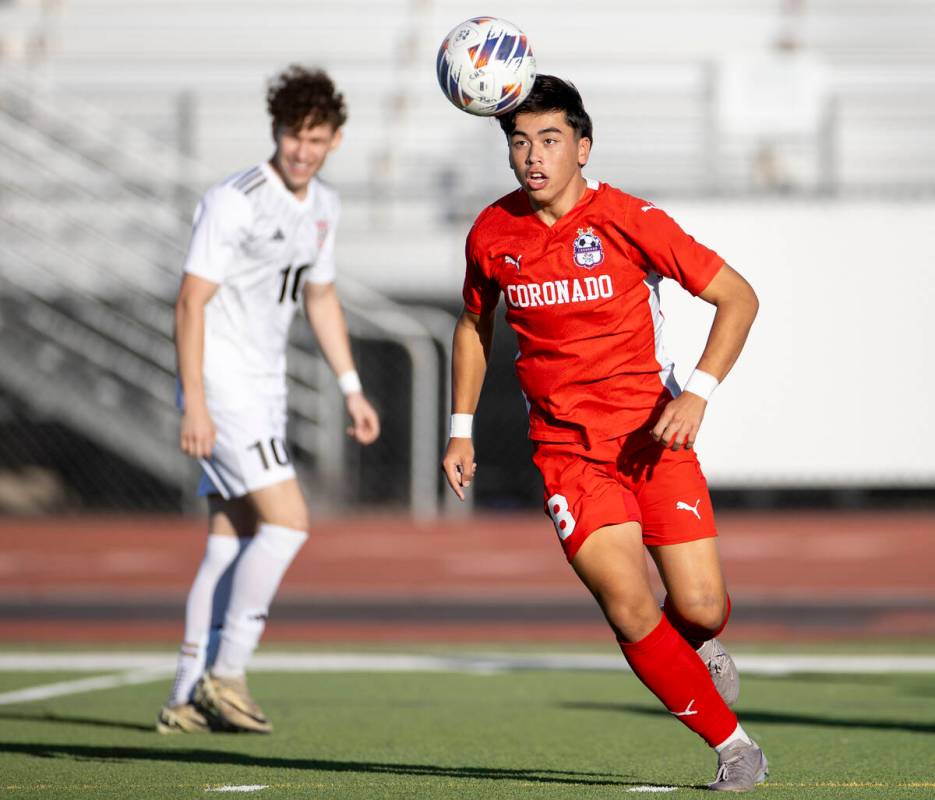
[
  {"x": 197, "y": 432},
  {"x": 221, "y": 224},
  {"x": 473, "y": 337}
]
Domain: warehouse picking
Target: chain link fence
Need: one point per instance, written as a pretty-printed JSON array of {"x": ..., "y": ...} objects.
[{"x": 52, "y": 464}]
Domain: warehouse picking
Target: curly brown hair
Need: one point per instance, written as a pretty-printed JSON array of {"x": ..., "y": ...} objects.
[{"x": 303, "y": 98}]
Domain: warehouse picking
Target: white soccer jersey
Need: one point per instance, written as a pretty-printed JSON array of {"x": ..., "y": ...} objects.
[{"x": 260, "y": 243}]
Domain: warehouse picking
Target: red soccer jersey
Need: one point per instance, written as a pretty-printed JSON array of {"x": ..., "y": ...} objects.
[{"x": 583, "y": 298}]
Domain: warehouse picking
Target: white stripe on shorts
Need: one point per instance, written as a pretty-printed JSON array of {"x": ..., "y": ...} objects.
[{"x": 215, "y": 478}]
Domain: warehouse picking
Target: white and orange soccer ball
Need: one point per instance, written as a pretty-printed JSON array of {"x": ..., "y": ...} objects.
[{"x": 485, "y": 66}]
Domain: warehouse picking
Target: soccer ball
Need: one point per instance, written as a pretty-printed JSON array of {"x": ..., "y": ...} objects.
[{"x": 485, "y": 66}]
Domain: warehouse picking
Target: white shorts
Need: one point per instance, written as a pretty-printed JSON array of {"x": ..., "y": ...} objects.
[{"x": 249, "y": 452}]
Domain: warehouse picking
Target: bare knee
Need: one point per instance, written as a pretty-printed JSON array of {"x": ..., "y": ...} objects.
[
  {"x": 612, "y": 564},
  {"x": 702, "y": 610},
  {"x": 631, "y": 616},
  {"x": 281, "y": 504}
]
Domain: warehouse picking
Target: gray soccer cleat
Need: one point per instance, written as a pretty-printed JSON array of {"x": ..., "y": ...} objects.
[
  {"x": 229, "y": 706},
  {"x": 723, "y": 670},
  {"x": 181, "y": 719},
  {"x": 740, "y": 767}
]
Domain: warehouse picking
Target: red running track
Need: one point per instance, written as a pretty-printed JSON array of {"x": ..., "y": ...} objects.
[{"x": 790, "y": 574}]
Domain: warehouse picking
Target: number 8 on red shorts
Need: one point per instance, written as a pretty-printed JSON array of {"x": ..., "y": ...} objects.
[{"x": 629, "y": 479}]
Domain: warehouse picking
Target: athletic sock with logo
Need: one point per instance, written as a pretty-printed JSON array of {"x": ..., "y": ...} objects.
[
  {"x": 256, "y": 579},
  {"x": 207, "y": 600},
  {"x": 694, "y": 634},
  {"x": 672, "y": 671}
]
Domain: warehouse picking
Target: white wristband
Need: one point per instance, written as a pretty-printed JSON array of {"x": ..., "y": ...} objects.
[
  {"x": 461, "y": 426},
  {"x": 701, "y": 383},
  {"x": 350, "y": 382}
]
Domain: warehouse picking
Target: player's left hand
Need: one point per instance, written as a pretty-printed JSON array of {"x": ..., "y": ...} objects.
[
  {"x": 678, "y": 426},
  {"x": 366, "y": 422}
]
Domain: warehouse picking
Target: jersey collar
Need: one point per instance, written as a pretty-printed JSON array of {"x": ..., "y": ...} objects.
[
  {"x": 591, "y": 187},
  {"x": 276, "y": 182}
]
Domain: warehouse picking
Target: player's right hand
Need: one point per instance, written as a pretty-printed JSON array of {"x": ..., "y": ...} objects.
[
  {"x": 458, "y": 465},
  {"x": 197, "y": 435}
]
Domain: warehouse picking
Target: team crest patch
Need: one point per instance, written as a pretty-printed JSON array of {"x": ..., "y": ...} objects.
[
  {"x": 589, "y": 252},
  {"x": 322, "y": 229}
]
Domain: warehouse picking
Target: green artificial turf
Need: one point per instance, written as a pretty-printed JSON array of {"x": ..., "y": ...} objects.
[{"x": 503, "y": 735}]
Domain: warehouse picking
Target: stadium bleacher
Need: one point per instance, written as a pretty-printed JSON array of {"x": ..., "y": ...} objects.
[
  {"x": 218, "y": 54},
  {"x": 115, "y": 116}
]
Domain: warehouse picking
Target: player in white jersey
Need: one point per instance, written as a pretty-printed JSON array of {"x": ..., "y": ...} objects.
[{"x": 262, "y": 242}]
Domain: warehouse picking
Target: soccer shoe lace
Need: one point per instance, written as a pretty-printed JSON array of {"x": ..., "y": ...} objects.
[
  {"x": 741, "y": 766},
  {"x": 722, "y": 669}
]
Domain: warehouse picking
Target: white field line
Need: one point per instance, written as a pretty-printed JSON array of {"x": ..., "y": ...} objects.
[
  {"x": 479, "y": 662},
  {"x": 147, "y": 667},
  {"x": 63, "y": 688}
]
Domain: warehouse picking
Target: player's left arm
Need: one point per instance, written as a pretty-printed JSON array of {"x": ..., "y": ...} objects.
[
  {"x": 736, "y": 304},
  {"x": 326, "y": 319}
]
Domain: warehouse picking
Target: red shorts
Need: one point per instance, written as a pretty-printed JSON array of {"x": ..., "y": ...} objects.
[{"x": 629, "y": 479}]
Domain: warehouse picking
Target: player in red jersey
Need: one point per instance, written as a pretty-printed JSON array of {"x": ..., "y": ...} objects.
[{"x": 579, "y": 265}]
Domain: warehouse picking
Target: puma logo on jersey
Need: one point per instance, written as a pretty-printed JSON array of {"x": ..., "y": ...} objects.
[
  {"x": 513, "y": 261},
  {"x": 650, "y": 207},
  {"x": 279, "y": 235},
  {"x": 687, "y": 712},
  {"x": 680, "y": 506}
]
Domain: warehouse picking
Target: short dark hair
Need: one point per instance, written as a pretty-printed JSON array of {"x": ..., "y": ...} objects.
[
  {"x": 299, "y": 97},
  {"x": 552, "y": 94}
]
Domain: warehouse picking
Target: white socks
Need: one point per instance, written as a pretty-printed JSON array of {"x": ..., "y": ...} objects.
[
  {"x": 737, "y": 736},
  {"x": 204, "y": 613},
  {"x": 256, "y": 578},
  {"x": 235, "y": 595}
]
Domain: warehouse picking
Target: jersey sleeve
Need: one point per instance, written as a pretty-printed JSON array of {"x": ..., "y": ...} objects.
[
  {"x": 480, "y": 291},
  {"x": 324, "y": 269},
  {"x": 221, "y": 225},
  {"x": 660, "y": 245}
]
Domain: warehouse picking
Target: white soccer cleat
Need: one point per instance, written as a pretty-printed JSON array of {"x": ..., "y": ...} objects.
[
  {"x": 722, "y": 668},
  {"x": 740, "y": 767},
  {"x": 181, "y": 719},
  {"x": 229, "y": 706}
]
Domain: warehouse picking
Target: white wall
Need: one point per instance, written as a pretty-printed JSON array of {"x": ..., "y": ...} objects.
[{"x": 836, "y": 383}]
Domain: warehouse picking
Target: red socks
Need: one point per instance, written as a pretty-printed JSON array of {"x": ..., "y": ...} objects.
[{"x": 672, "y": 671}]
